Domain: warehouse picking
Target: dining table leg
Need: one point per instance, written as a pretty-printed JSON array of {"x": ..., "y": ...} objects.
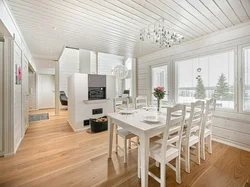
[
  {"x": 110, "y": 136},
  {"x": 144, "y": 145}
]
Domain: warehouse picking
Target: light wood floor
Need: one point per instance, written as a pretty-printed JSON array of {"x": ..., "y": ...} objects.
[{"x": 51, "y": 154}]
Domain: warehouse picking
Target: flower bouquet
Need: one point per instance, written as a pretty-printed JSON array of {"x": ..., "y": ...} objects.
[{"x": 159, "y": 93}]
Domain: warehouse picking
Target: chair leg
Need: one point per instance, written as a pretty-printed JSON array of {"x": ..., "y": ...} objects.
[
  {"x": 187, "y": 160},
  {"x": 116, "y": 143},
  {"x": 178, "y": 169},
  {"x": 125, "y": 150},
  {"x": 139, "y": 163},
  {"x": 163, "y": 174},
  {"x": 198, "y": 153},
  {"x": 209, "y": 139},
  {"x": 129, "y": 143},
  {"x": 203, "y": 149}
]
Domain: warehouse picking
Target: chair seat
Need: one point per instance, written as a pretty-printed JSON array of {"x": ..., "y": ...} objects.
[
  {"x": 125, "y": 133},
  {"x": 192, "y": 140},
  {"x": 155, "y": 151}
]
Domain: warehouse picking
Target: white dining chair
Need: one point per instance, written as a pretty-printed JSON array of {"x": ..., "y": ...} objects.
[
  {"x": 206, "y": 130},
  {"x": 169, "y": 147},
  {"x": 123, "y": 133},
  {"x": 141, "y": 101},
  {"x": 191, "y": 139}
]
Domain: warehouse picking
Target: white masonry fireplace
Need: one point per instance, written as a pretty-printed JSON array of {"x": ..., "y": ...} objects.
[{"x": 90, "y": 96}]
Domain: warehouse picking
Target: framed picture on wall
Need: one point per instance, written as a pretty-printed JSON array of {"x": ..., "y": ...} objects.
[{"x": 18, "y": 74}]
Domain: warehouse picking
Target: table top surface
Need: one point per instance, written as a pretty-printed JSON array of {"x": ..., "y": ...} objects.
[{"x": 136, "y": 119}]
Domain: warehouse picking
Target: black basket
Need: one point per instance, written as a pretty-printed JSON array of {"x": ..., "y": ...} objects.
[{"x": 98, "y": 126}]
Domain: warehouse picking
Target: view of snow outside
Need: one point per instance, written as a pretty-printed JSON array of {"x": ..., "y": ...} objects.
[
  {"x": 159, "y": 78},
  {"x": 206, "y": 77}
]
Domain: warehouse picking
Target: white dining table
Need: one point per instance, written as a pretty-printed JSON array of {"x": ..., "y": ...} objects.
[{"x": 144, "y": 130}]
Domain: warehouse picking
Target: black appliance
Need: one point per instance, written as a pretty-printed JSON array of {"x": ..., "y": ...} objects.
[
  {"x": 96, "y": 93},
  {"x": 97, "y": 87}
]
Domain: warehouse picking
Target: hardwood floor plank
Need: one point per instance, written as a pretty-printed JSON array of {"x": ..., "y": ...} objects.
[{"x": 51, "y": 154}]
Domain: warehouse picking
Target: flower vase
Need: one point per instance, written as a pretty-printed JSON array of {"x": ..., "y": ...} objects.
[{"x": 158, "y": 105}]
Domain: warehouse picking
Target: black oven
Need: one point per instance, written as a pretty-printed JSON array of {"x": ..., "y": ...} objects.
[{"x": 96, "y": 93}]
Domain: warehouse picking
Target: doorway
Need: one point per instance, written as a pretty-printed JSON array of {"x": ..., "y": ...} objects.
[{"x": 46, "y": 91}]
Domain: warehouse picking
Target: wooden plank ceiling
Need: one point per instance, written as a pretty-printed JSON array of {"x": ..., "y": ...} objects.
[{"x": 113, "y": 26}]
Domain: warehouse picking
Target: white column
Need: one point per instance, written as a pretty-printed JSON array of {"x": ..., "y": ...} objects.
[
  {"x": 57, "y": 89},
  {"x": 84, "y": 61}
]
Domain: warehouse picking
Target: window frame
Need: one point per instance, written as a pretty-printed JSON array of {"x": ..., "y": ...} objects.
[
  {"x": 168, "y": 64},
  {"x": 235, "y": 50},
  {"x": 241, "y": 66}
]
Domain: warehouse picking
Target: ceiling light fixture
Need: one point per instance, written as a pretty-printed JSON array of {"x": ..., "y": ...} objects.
[{"x": 161, "y": 35}]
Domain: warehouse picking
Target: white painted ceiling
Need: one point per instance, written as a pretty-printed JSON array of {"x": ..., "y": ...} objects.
[{"x": 113, "y": 26}]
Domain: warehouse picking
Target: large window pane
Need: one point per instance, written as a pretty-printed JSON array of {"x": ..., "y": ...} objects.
[
  {"x": 205, "y": 77},
  {"x": 159, "y": 78},
  {"x": 246, "y": 80}
]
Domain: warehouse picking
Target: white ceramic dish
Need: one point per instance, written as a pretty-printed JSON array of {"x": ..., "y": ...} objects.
[
  {"x": 151, "y": 119},
  {"x": 126, "y": 111}
]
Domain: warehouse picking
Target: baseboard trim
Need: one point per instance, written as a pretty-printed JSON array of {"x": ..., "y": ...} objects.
[
  {"x": 77, "y": 130},
  {"x": 1, "y": 153},
  {"x": 9, "y": 154},
  {"x": 231, "y": 144},
  {"x": 18, "y": 145}
]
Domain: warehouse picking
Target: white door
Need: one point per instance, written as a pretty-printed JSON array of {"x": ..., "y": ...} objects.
[
  {"x": 46, "y": 96},
  {"x": 1, "y": 96},
  {"x": 25, "y": 92}
]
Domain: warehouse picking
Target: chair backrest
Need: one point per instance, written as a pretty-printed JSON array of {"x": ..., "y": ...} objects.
[
  {"x": 141, "y": 101},
  {"x": 208, "y": 114},
  {"x": 195, "y": 120},
  {"x": 63, "y": 96},
  {"x": 120, "y": 103},
  {"x": 172, "y": 135}
]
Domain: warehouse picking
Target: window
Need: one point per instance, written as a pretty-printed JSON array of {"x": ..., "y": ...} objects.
[
  {"x": 209, "y": 76},
  {"x": 246, "y": 79},
  {"x": 159, "y": 77},
  {"x": 128, "y": 80}
]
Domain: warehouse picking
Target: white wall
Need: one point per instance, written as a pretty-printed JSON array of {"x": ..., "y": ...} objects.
[
  {"x": 69, "y": 64},
  {"x": 228, "y": 127},
  {"x": 46, "y": 91},
  {"x": 20, "y": 49},
  {"x": 93, "y": 62},
  {"x": 106, "y": 63},
  {"x": 17, "y": 100},
  {"x": 84, "y": 61},
  {"x": 32, "y": 90}
]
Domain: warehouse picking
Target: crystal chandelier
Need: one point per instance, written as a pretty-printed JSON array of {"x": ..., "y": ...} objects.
[{"x": 159, "y": 34}]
